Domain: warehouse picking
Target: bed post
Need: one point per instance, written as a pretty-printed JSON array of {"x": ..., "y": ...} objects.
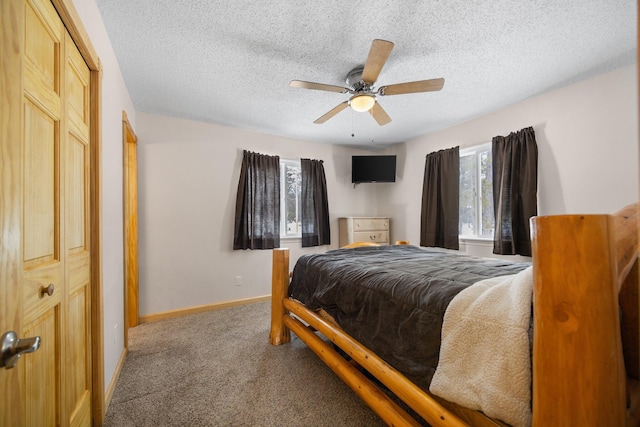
[
  {"x": 578, "y": 371},
  {"x": 279, "y": 285}
]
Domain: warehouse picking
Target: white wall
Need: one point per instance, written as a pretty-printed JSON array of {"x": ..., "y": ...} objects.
[
  {"x": 587, "y": 136},
  {"x": 188, "y": 179},
  {"x": 115, "y": 99}
]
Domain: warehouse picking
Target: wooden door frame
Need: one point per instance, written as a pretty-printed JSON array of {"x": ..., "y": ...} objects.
[
  {"x": 130, "y": 186},
  {"x": 12, "y": 22}
]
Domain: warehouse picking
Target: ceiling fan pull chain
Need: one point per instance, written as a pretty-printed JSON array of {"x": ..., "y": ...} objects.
[{"x": 352, "y": 132}]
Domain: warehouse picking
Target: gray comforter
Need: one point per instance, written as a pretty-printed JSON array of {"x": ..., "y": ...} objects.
[{"x": 392, "y": 299}]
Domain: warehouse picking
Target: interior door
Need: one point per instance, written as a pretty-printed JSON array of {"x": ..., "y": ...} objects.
[
  {"x": 48, "y": 199},
  {"x": 76, "y": 166},
  {"x": 130, "y": 168}
]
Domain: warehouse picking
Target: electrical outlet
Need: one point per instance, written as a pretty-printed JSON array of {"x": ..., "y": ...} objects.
[
  {"x": 115, "y": 333},
  {"x": 238, "y": 280}
]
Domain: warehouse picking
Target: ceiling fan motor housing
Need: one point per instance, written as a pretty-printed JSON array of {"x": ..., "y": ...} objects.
[{"x": 354, "y": 80}]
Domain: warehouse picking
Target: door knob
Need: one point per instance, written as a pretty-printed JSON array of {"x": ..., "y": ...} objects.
[
  {"x": 47, "y": 291},
  {"x": 11, "y": 348}
]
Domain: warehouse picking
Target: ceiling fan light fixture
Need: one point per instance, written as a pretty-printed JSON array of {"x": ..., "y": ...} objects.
[{"x": 362, "y": 103}]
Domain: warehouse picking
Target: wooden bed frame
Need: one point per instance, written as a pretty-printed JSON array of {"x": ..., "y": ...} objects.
[{"x": 586, "y": 358}]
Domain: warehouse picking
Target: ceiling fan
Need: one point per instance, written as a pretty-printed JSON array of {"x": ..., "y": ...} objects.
[{"x": 361, "y": 86}]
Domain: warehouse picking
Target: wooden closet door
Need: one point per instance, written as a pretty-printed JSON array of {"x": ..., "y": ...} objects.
[
  {"x": 55, "y": 261},
  {"x": 77, "y": 238}
]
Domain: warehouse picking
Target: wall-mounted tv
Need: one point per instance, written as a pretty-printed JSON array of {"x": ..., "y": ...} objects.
[{"x": 373, "y": 169}]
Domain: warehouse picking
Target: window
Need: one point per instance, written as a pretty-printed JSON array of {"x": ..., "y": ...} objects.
[
  {"x": 476, "y": 193},
  {"x": 290, "y": 201}
]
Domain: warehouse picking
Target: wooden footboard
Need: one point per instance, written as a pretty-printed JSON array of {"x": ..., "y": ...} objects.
[{"x": 583, "y": 265}]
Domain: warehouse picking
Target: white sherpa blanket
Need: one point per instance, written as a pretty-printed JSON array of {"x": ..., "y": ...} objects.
[{"x": 485, "y": 359}]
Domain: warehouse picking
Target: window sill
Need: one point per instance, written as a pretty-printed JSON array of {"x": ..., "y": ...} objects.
[
  {"x": 291, "y": 239},
  {"x": 476, "y": 240}
]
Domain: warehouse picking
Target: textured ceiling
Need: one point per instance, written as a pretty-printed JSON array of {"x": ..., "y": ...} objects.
[{"x": 230, "y": 62}]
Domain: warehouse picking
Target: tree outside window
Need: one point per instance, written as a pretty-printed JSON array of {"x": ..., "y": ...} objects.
[
  {"x": 290, "y": 206},
  {"x": 476, "y": 193}
]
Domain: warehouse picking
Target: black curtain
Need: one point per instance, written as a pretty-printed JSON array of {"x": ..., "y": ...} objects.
[
  {"x": 515, "y": 190},
  {"x": 315, "y": 206},
  {"x": 257, "y": 222},
  {"x": 440, "y": 199}
]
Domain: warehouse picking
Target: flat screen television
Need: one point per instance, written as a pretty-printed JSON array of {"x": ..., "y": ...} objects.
[{"x": 373, "y": 169}]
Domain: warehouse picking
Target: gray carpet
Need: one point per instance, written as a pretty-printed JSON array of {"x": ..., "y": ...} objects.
[{"x": 218, "y": 369}]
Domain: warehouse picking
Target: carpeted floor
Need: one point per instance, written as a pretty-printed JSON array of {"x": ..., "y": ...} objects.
[{"x": 218, "y": 369}]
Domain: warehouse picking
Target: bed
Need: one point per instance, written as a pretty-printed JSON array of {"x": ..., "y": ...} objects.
[{"x": 585, "y": 336}]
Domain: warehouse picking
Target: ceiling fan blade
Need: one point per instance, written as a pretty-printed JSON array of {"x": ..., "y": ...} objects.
[
  {"x": 378, "y": 54},
  {"x": 318, "y": 86},
  {"x": 412, "y": 87},
  {"x": 335, "y": 110},
  {"x": 379, "y": 114}
]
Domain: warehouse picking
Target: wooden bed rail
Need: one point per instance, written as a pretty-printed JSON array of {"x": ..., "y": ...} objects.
[
  {"x": 408, "y": 392},
  {"x": 381, "y": 404}
]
